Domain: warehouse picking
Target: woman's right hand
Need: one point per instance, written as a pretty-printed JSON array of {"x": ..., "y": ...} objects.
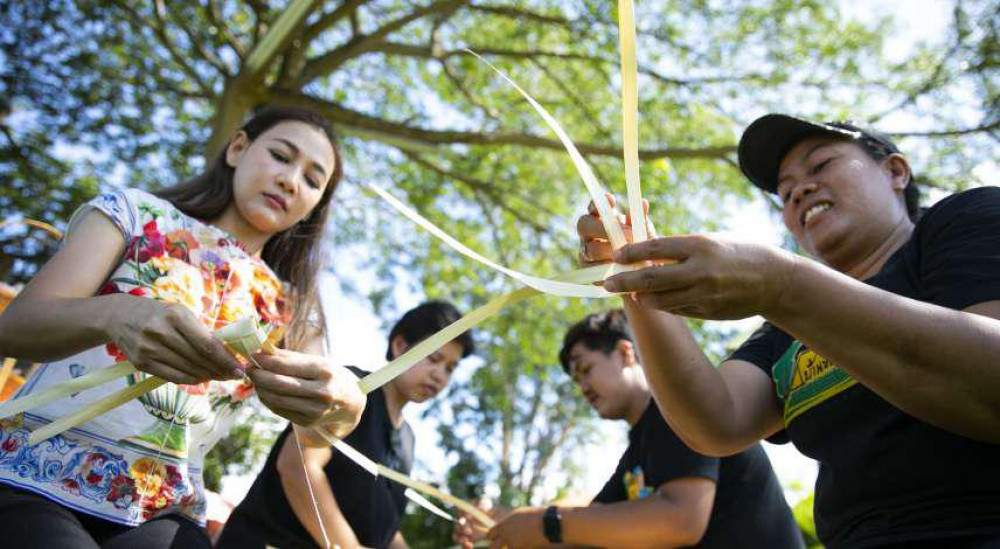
[
  {"x": 309, "y": 390},
  {"x": 166, "y": 340}
]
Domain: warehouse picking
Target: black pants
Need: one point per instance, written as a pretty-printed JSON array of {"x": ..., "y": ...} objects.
[{"x": 30, "y": 521}]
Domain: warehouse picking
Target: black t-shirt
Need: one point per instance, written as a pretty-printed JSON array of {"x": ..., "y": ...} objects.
[
  {"x": 749, "y": 508},
  {"x": 373, "y": 506},
  {"x": 885, "y": 476}
]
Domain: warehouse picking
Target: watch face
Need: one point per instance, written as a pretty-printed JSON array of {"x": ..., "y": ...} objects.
[{"x": 552, "y": 524}]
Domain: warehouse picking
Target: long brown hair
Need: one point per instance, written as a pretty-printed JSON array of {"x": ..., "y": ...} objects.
[{"x": 293, "y": 254}]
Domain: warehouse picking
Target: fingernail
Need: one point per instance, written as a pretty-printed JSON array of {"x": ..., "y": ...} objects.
[{"x": 238, "y": 373}]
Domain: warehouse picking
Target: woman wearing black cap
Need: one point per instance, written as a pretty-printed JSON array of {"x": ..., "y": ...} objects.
[{"x": 878, "y": 359}]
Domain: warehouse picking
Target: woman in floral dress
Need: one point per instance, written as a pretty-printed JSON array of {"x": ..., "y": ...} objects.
[{"x": 145, "y": 278}]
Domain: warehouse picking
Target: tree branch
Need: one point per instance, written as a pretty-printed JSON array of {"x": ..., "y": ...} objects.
[
  {"x": 550, "y": 449},
  {"x": 214, "y": 14},
  {"x": 259, "y": 22},
  {"x": 573, "y": 25},
  {"x": 519, "y": 14},
  {"x": 932, "y": 81},
  {"x": 589, "y": 113},
  {"x": 409, "y": 137},
  {"x": 138, "y": 20},
  {"x": 177, "y": 90},
  {"x": 348, "y": 8},
  {"x": 490, "y": 214},
  {"x": 426, "y": 52},
  {"x": 476, "y": 185},
  {"x": 454, "y": 79},
  {"x": 197, "y": 43},
  {"x": 505, "y": 472},
  {"x": 536, "y": 403},
  {"x": 490, "y": 112},
  {"x": 988, "y": 127},
  {"x": 333, "y": 59}
]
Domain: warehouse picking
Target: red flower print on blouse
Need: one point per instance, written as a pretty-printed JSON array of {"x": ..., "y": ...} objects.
[
  {"x": 10, "y": 445},
  {"x": 198, "y": 389},
  {"x": 243, "y": 391},
  {"x": 180, "y": 243},
  {"x": 71, "y": 486},
  {"x": 173, "y": 476},
  {"x": 156, "y": 243},
  {"x": 109, "y": 288},
  {"x": 121, "y": 486}
]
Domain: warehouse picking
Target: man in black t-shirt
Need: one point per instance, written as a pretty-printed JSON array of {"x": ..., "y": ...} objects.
[
  {"x": 662, "y": 494},
  {"x": 356, "y": 507}
]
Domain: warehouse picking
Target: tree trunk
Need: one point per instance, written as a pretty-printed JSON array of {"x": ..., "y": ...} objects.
[{"x": 237, "y": 100}]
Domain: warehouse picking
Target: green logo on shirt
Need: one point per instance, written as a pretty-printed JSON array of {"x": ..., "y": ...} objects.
[{"x": 804, "y": 379}]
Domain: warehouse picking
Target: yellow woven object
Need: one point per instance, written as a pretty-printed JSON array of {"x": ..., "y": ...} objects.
[{"x": 7, "y": 294}]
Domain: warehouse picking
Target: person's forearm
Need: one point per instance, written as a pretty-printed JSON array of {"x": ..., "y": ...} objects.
[
  {"x": 294, "y": 482},
  {"x": 49, "y": 329},
  {"x": 651, "y": 522},
  {"x": 398, "y": 542},
  {"x": 934, "y": 363},
  {"x": 310, "y": 438},
  {"x": 689, "y": 390}
]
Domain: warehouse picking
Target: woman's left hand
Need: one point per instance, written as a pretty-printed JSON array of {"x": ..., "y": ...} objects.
[
  {"x": 308, "y": 390},
  {"x": 704, "y": 276}
]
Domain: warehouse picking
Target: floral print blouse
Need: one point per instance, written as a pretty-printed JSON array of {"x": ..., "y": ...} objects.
[{"x": 144, "y": 458}]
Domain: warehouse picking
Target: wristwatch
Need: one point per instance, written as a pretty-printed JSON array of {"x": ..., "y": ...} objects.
[{"x": 552, "y": 524}]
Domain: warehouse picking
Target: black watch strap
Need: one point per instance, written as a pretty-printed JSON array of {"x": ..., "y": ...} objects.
[{"x": 552, "y": 524}]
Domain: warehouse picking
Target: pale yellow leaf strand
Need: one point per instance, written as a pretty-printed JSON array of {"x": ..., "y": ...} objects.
[
  {"x": 350, "y": 453},
  {"x": 544, "y": 285},
  {"x": 415, "y": 497},
  {"x": 421, "y": 350},
  {"x": 65, "y": 389},
  {"x": 8, "y": 367},
  {"x": 597, "y": 193},
  {"x": 376, "y": 469},
  {"x": 95, "y": 409},
  {"x": 309, "y": 486},
  {"x": 630, "y": 115},
  {"x": 290, "y": 18},
  {"x": 435, "y": 493}
]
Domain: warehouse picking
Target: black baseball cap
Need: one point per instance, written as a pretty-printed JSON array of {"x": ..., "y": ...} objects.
[{"x": 769, "y": 138}]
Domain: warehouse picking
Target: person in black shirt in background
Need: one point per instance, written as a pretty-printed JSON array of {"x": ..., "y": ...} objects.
[
  {"x": 662, "y": 494},
  {"x": 358, "y": 509},
  {"x": 879, "y": 360}
]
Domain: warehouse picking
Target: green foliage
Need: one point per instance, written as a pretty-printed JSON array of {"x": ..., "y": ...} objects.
[
  {"x": 803, "y": 512},
  {"x": 425, "y": 530},
  {"x": 244, "y": 448}
]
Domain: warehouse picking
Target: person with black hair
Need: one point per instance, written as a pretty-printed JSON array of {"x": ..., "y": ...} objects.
[
  {"x": 357, "y": 508},
  {"x": 878, "y": 360},
  {"x": 145, "y": 278},
  {"x": 662, "y": 494}
]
